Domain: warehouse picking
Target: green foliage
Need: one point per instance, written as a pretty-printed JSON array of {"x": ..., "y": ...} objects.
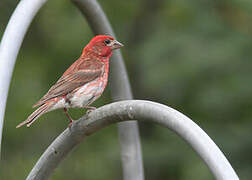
[{"x": 194, "y": 56}]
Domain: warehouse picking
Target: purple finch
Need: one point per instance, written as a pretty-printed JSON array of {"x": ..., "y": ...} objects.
[{"x": 82, "y": 83}]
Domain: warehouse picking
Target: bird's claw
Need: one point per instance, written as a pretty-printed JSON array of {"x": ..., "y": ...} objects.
[
  {"x": 70, "y": 124},
  {"x": 90, "y": 109}
]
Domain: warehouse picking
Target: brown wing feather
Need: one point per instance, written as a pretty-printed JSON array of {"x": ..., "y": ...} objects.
[{"x": 78, "y": 74}]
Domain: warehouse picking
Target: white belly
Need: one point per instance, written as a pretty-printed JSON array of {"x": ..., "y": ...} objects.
[
  {"x": 87, "y": 94},
  {"x": 84, "y": 96}
]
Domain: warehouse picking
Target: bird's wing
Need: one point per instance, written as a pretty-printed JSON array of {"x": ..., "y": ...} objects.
[{"x": 76, "y": 76}]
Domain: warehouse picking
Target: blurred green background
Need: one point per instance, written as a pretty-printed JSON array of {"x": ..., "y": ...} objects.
[{"x": 194, "y": 56}]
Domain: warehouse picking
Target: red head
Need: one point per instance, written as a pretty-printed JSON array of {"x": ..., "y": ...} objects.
[{"x": 102, "y": 45}]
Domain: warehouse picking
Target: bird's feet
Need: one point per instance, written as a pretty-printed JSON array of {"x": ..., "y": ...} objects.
[
  {"x": 70, "y": 124},
  {"x": 89, "y": 109},
  {"x": 69, "y": 117}
]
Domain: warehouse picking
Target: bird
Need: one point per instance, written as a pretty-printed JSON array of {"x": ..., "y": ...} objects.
[{"x": 82, "y": 83}]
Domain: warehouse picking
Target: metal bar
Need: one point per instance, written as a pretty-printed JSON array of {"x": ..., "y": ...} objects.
[
  {"x": 130, "y": 110},
  {"x": 131, "y": 153},
  {"x": 10, "y": 45}
]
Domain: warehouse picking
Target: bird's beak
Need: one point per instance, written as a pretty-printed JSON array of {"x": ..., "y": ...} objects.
[{"x": 116, "y": 44}]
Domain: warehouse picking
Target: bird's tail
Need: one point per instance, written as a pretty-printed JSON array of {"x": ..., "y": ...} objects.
[{"x": 36, "y": 114}]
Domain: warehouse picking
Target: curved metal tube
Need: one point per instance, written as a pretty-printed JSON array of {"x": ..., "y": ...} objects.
[
  {"x": 9, "y": 48},
  {"x": 10, "y": 45},
  {"x": 131, "y": 153},
  {"x": 130, "y": 110}
]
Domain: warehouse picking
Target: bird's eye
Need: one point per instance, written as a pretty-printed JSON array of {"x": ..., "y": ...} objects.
[{"x": 107, "y": 41}]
